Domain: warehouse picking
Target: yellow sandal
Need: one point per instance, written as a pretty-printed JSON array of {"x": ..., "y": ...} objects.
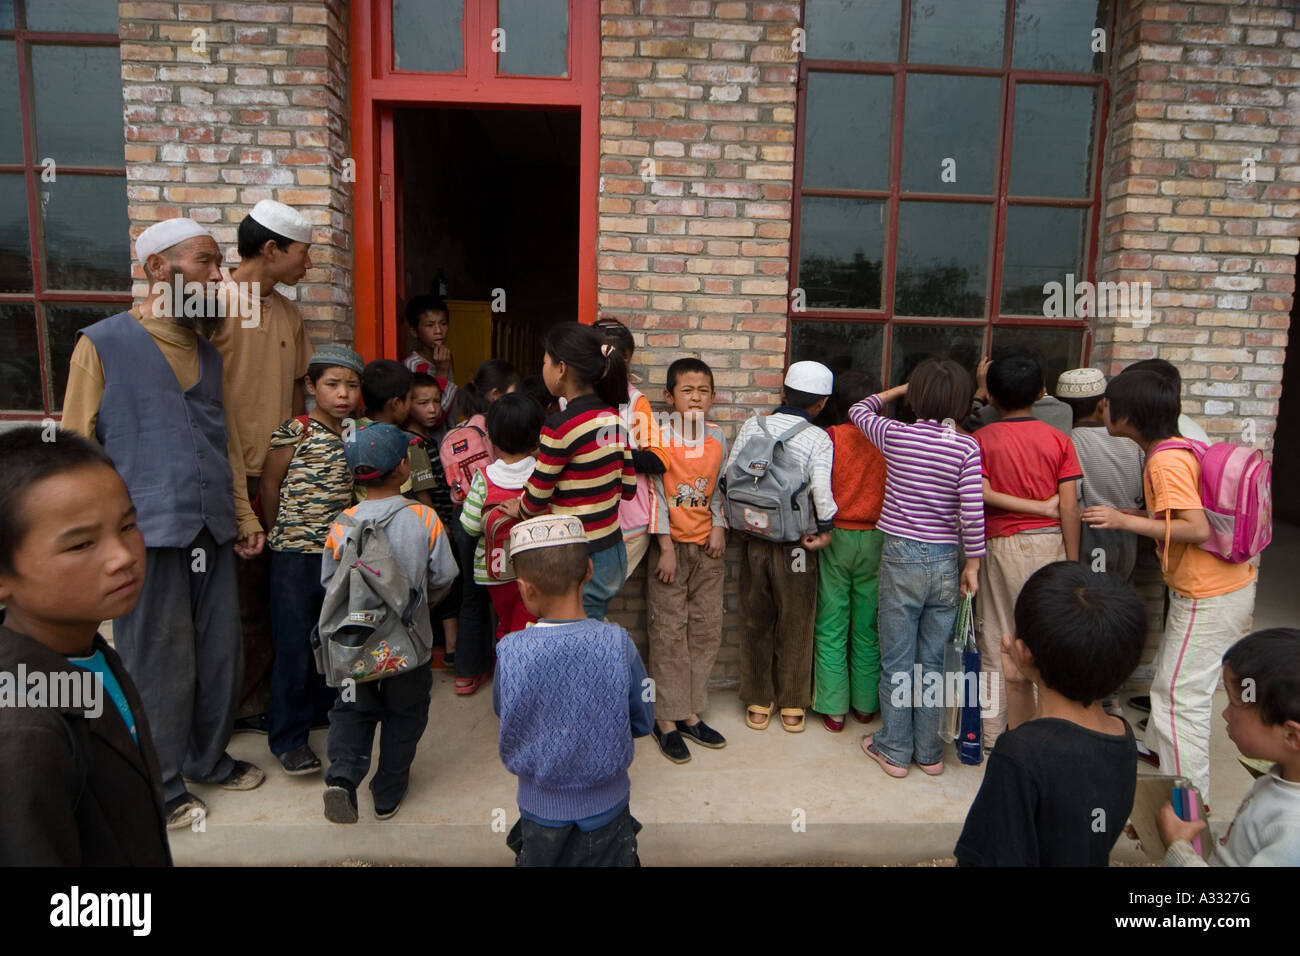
[
  {"x": 764, "y": 712},
  {"x": 796, "y": 728}
]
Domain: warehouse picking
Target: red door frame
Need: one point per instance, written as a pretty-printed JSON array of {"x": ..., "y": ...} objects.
[{"x": 377, "y": 89}]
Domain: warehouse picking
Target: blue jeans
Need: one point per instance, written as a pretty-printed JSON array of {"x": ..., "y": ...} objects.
[
  {"x": 920, "y": 588},
  {"x": 608, "y": 572},
  {"x": 299, "y": 696}
]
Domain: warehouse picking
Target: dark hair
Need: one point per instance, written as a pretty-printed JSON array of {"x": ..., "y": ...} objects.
[
  {"x": 471, "y": 398},
  {"x": 424, "y": 380},
  {"x": 314, "y": 372},
  {"x": 579, "y": 347},
  {"x": 421, "y": 304},
  {"x": 797, "y": 399},
  {"x": 553, "y": 570},
  {"x": 514, "y": 423},
  {"x": 1147, "y": 400},
  {"x": 1015, "y": 381},
  {"x": 26, "y": 458},
  {"x": 939, "y": 389},
  {"x": 376, "y": 482},
  {"x": 684, "y": 366},
  {"x": 252, "y": 236},
  {"x": 1271, "y": 660},
  {"x": 850, "y": 388},
  {"x": 1162, "y": 367},
  {"x": 382, "y": 381},
  {"x": 1085, "y": 629},
  {"x": 1082, "y": 407},
  {"x": 535, "y": 386},
  {"x": 617, "y": 335}
]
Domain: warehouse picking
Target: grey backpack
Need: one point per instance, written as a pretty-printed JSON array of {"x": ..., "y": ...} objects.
[
  {"x": 768, "y": 493},
  {"x": 373, "y": 623}
]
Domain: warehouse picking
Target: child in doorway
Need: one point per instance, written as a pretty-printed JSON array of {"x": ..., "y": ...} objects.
[
  {"x": 305, "y": 484},
  {"x": 514, "y": 425},
  {"x": 1021, "y": 459},
  {"x": 777, "y": 578},
  {"x": 377, "y": 457},
  {"x": 427, "y": 421},
  {"x": 577, "y": 675},
  {"x": 846, "y": 673},
  {"x": 684, "y": 594},
  {"x": 80, "y": 785},
  {"x": 1261, "y": 674},
  {"x": 1210, "y": 599},
  {"x": 1058, "y": 788},
  {"x": 429, "y": 319},
  {"x": 933, "y": 505}
]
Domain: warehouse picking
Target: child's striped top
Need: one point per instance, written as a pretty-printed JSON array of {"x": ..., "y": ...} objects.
[
  {"x": 584, "y": 469},
  {"x": 933, "y": 489}
]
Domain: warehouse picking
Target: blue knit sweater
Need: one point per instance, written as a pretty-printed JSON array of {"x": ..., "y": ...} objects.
[{"x": 569, "y": 698}]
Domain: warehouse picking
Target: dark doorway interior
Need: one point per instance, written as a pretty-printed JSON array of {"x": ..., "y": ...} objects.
[
  {"x": 1286, "y": 440},
  {"x": 489, "y": 199}
]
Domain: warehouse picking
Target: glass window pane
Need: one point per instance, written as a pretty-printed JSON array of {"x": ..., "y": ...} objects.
[
  {"x": 863, "y": 30},
  {"x": 428, "y": 35},
  {"x": 942, "y": 259},
  {"x": 73, "y": 16},
  {"x": 962, "y": 32},
  {"x": 950, "y": 118},
  {"x": 61, "y": 325},
  {"x": 841, "y": 248},
  {"x": 846, "y": 131},
  {"x": 85, "y": 82},
  {"x": 15, "y": 244},
  {"x": 1058, "y": 348},
  {"x": 20, "y": 360},
  {"x": 1051, "y": 145},
  {"x": 6, "y": 14},
  {"x": 536, "y": 37},
  {"x": 11, "y": 130},
  {"x": 1043, "y": 244},
  {"x": 913, "y": 344},
  {"x": 1057, "y": 35},
  {"x": 87, "y": 239},
  {"x": 839, "y": 346}
]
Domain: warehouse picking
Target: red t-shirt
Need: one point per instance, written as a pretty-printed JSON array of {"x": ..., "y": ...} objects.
[{"x": 1026, "y": 458}]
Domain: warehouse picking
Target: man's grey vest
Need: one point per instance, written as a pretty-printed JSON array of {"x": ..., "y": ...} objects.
[{"x": 168, "y": 445}]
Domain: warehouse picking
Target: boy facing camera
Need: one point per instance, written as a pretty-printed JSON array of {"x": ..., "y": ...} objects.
[
  {"x": 570, "y": 694},
  {"x": 79, "y": 779},
  {"x": 1059, "y": 788}
]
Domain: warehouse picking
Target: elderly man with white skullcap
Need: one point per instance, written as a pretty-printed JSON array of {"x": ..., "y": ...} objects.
[{"x": 147, "y": 385}]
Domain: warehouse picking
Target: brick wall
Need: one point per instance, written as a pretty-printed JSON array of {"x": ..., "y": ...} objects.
[
  {"x": 695, "y": 259},
  {"x": 261, "y": 113}
]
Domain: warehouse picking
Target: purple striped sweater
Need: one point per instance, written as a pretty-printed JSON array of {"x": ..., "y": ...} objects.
[{"x": 933, "y": 490}]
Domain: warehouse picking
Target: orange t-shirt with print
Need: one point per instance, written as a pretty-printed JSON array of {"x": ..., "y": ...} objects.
[{"x": 1172, "y": 482}]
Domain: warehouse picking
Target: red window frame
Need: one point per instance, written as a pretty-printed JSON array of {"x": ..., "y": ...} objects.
[
  {"x": 377, "y": 89},
  {"x": 999, "y": 200},
  {"x": 31, "y": 169}
]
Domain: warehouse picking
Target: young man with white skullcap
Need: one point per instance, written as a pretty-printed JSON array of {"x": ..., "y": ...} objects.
[{"x": 146, "y": 384}]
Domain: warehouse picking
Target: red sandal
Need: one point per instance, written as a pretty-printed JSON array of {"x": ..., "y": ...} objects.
[{"x": 467, "y": 685}]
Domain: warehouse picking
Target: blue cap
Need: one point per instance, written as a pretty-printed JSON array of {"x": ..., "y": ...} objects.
[
  {"x": 335, "y": 354},
  {"x": 375, "y": 449}
]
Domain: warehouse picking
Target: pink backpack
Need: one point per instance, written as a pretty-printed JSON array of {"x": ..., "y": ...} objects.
[
  {"x": 1236, "y": 492},
  {"x": 465, "y": 451}
]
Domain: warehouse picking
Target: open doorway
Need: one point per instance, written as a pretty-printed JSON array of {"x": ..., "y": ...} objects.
[{"x": 488, "y": 209}]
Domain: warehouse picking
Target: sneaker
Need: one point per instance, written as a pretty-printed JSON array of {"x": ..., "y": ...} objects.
[
  {"x": 184, "y": 810},
  {"x": 1146, "y": 755},
  {"x": 1142, "y": 703},
  {"x": 702, "y": 734},
  {"x": 341, "y": 804},
  {"x": 245, "y": 776},
  {"x": 672, "y": 745},
  {"x": 300, "y": 761},
  {"x": 257, "y": 724},
  {"x": 389, "y": 813}
]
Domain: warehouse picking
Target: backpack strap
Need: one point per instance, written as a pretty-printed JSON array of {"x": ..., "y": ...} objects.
[{"x": 793, "y": 430}]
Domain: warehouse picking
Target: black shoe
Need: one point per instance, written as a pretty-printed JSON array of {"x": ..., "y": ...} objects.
[
  {"x": 703, "y": 734},
  {"x": 672, "y": 745},
  {"x": 340, "y": 804},
  {"x": 1142, "y": 703},
  {"x": 1142, "y": 724},
  {"x": 182, "y": 811},
  {"x": 244, "y": 776},
  {"x": 257, "y": 724},
  {"x": 300, "y": 761},
  {"x": 389, "y": 813}
]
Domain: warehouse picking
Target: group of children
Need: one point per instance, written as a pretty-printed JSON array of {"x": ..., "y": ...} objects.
[{"x": 534, "y": 500}]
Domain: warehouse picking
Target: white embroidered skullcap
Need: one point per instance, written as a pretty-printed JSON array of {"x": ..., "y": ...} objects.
[
  {"x": 548, "y": 531},
  {"x": 282, "y": 220},
  {"x": 161, "y": 236}
]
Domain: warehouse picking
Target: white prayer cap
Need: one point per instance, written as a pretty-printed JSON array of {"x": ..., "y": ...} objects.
[
  {"x": 282, "y": 220},
  {"x": 161, "y": 236},
  {"x": 811, "y": 377}
]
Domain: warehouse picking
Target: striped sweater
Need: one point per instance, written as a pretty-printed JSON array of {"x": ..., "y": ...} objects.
[
  {"x": 933, "y": 490},
  {"x": 584, "y": 469}
]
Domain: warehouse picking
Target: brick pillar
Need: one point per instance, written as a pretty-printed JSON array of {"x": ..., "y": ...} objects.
[
  {"x": 254, "y": 106},
  {"x": 697, "y": 165}
]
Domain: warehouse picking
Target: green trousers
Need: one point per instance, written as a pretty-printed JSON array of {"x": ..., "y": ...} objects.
[{"x": 847, "y": 664}]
